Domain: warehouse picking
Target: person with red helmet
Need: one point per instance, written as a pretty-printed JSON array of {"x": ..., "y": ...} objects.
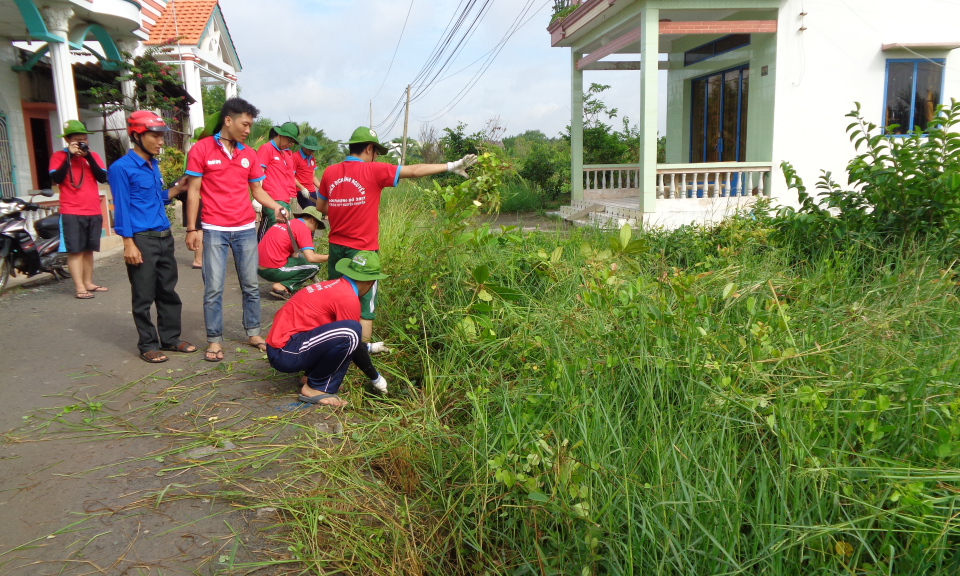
[{"x": 148, "y": 245}]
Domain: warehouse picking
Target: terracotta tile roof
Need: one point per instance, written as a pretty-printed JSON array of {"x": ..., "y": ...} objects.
[{"x": 191, "y": 20}]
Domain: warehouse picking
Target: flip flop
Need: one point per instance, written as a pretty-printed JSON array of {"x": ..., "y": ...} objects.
[
  {"x": 84, "y": 296},
  {"x": 99, "y": 289},
  {"x": 218, "y": 355},
  {"x": 181, "y": 347},
  {"x": 262, "y": 346},
  {"x": 317, "y": 399},
  {"x": 153, "y": 357},
  {"x": 284, "y": 295},
  {"x": 195, "y": 267}
]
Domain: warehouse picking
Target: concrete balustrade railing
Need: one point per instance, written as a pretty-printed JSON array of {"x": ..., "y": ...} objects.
[{"x": 716, "y": 180}]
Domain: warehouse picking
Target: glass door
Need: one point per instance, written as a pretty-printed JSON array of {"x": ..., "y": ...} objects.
[{"x": 718, "y": 123}]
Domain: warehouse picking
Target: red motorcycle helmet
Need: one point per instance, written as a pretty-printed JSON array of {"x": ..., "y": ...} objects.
[{"x": 143, "y": 121}]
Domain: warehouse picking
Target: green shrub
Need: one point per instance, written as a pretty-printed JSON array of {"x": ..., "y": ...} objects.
[{"x": 903, "y": 188}]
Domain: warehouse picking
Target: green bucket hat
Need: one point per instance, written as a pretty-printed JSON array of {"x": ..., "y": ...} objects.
[
  {"x": 364, "y": 135},
  {"x": 288, "y": 129},
  {"x": 310, "y": 143},
  {"x": 71, "y": 127},
  {"x": 312, "y": 212},
  {"x": 363, "y": 266}
]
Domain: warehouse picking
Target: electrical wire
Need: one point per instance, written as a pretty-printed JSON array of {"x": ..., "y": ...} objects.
[{"x": 390, "y": 67}]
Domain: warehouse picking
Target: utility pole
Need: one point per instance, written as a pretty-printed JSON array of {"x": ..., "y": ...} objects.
[
  {"x": 406, "y": 119},
  {"x": 371, "y": 114}
]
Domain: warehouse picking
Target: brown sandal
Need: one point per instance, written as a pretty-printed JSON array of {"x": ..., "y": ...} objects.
[
  {"x": 153, "y": 357},
  {"x": 84, "y": 296},
  {"x": 181, "y": 347}
]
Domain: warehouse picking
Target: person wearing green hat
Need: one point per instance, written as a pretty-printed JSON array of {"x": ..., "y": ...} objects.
[
  {"x": 276, "y": 159},
  {"x": 286, "y": 254},
  {"x": 305, "y": 168},
  {"x": 350, "y": 196},
  {"x": 318, "y": 332},
  {"x": 77, "y": 170}
]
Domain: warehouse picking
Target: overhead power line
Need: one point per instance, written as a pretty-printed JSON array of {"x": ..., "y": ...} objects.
[{"x": 390, "y": 67}]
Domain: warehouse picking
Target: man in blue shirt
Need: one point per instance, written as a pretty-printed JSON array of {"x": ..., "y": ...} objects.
[{"x": 148, "y": 246}]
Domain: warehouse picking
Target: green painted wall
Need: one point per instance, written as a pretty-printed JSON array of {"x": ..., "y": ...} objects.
[{"x": 762, "y": 51}]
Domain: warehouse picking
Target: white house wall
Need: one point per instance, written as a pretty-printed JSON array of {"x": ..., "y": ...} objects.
[
  {"x": 837, "y": 61},
  {"x": 10, "y": 105}
]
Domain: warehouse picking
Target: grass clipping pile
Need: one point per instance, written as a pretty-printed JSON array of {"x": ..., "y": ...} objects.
[{"x": 579, "y": 402}]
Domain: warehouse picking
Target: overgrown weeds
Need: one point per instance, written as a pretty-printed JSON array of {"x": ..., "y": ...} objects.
[{"x": 688, "y": 402}]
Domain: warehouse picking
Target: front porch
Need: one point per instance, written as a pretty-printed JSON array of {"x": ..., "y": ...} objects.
[{"x": 720, "y": 65}]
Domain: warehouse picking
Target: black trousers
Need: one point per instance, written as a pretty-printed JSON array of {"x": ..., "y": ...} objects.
[{"x": 154, "y": 282}]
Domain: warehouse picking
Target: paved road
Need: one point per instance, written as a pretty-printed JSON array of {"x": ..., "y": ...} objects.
[{"x": 54, "y": 350}]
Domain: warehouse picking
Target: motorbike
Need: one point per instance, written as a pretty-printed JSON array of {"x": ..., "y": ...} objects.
[{"x": 20, "y": 251}]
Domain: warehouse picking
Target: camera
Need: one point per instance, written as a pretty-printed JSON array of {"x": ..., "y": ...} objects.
[{"x": 83, "y": 147}]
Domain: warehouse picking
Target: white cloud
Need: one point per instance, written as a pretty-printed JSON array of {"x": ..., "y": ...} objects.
[{"x": 322, "y": 61}]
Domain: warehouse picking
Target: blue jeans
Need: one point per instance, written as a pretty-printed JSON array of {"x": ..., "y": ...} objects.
[
  {"x": 244, "y": 247},
  {"x": 324, "y": 353}
]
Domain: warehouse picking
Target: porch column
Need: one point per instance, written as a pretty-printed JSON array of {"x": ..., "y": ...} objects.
[
  {"x": 576, "y": 128},
  {"x": 649, "y": 68},
  {"x": 58, "y": 22},
  {"x": 191, "y": 81},
  {"x": 230, "y": 88},
  {"x": 128, "y": 88}
]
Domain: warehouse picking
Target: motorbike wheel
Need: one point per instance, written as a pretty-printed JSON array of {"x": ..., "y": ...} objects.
[
  {"x": 4, "y": 272},
  {"x": 62, "y": 272}
]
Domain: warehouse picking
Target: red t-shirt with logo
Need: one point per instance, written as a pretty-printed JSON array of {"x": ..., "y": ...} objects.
[
  {"x": 277, "y": 166},
  {"x": 312, "y": 307},
  {"x": 81, "y": 196},
  {"x": 353, "y": 189},
  {"x": 274, "y": 248},
  {"x": 304, "y": 169},
  {"x": 226, "y": 181}
]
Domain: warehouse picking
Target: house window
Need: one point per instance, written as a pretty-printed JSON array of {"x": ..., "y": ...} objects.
[
  {"x": 913, "y": 92},
  {"x": 715, "y": 48}
]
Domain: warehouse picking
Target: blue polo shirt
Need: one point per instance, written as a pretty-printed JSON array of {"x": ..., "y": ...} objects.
[{"x": 138, "y": 196}]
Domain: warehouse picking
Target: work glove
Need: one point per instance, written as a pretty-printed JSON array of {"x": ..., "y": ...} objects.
[
  {"x": 461, "y": 165},
  {"x": 257, "y": 207},
  {"x": 380, "y": 384},
  {"x": 377, "y": 348}
]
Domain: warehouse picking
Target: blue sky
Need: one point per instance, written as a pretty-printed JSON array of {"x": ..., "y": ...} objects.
[{"x": 322, "y": 61}]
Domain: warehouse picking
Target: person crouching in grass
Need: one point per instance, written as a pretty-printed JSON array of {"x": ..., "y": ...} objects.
[
  {"x": 287, "y": 257},
  {"x": 318, "y": 332}
]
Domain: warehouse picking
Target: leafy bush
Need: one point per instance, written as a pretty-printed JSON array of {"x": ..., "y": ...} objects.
[{"x": 904, "y": 188}]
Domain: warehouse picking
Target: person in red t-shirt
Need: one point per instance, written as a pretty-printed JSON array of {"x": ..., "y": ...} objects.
[
  {"x": 227, "y": 173},
  {"x": 305, "y": 168},
  {"x": 77, "y": 170},
  {"x": 350, "y": 196},
  {"x": 280, "y": 180},
  {"x": 318, "y": 332},
  {"x": 279, "y": 246}
]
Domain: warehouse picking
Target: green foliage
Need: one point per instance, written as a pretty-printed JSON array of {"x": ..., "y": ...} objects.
[
  {"x": 172, "y": 165},
  {"x": 561, "y": 9},
  {"x": 480, "y": 192},
  {"x": 152, "y": 81},
  {"x": 682, "y": 402},
  {"x": 903, "y": 188},
  {"x": 213, "y": 99}
]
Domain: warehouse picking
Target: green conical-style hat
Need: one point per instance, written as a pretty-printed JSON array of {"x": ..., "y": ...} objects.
[{"x": 364, "y": 135}]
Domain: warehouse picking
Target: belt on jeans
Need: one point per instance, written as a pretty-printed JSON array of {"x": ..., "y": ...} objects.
[{"x": 154, "y": 234}]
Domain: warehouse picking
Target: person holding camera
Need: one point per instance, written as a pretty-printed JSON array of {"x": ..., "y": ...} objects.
[{"x": 78, "y": 170}]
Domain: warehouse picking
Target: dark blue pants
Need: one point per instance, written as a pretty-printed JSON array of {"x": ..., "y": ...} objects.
[{"x": 324, "y": 353}]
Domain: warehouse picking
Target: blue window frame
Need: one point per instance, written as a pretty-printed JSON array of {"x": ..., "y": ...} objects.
[
  {"x": 912, "y": 92},
  {"x": 715, "y": 48}
]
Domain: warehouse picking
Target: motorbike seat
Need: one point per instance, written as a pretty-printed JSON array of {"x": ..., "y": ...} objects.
[{"x": 48, "y": 227}]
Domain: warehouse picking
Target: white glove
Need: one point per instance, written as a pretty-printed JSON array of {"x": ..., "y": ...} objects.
[
  {"x": 257, "y": 207},
  {"x": 380, "y": 383},
  {"x": 377, "y": 348},
  {"x": 461, "y": 165}
]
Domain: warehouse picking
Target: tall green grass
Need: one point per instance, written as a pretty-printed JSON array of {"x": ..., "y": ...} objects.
[{"x": 706, "y": 405}]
